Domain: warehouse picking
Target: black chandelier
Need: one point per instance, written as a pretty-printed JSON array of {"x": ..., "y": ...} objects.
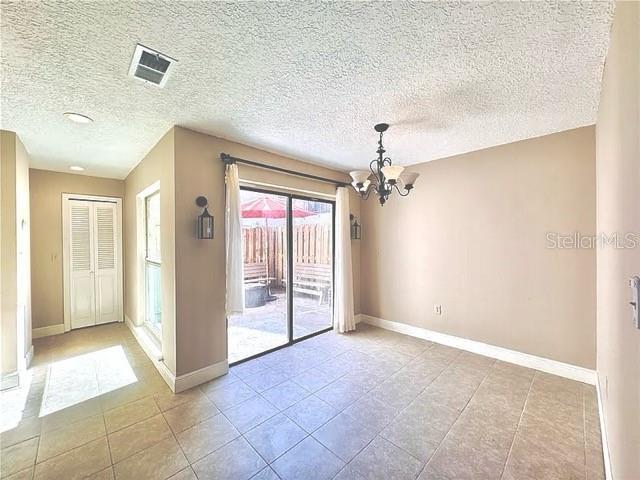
[{"x": 383, "y": 177}]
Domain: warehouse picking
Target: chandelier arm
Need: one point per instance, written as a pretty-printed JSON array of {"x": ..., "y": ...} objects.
[
  {"x": 400, "y": 193},
  {"x": 376, "y": 176}
]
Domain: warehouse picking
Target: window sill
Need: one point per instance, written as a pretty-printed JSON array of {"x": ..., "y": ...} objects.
[{"x": 149, "y": 342}]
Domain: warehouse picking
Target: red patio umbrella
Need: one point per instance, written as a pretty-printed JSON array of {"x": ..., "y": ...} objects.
[
  {"x": 271, "y": 207},
  {"x": 267, "y": 207}
]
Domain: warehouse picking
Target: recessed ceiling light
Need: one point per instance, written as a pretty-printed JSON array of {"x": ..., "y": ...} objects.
[
  {"x": 77, "y": 117},
  {"x": 76, "y": 168}
]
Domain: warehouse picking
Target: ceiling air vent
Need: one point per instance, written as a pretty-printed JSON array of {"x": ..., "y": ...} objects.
[{"x": 150, "y": 66}]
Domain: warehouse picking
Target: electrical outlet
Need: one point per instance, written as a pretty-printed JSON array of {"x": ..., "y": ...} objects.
[{"x": 437, "y": 309}]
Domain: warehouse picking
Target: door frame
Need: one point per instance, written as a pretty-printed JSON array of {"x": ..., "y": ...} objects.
[
  {"x": 66, "y": 252},
  {"x": 290, "y": 197}
]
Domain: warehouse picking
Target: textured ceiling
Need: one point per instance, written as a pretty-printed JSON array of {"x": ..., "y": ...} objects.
[{"x": 305, "y": 79}]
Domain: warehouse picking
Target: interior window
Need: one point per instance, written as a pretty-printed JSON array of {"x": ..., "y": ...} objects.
[{"x": 153, "y": 289}]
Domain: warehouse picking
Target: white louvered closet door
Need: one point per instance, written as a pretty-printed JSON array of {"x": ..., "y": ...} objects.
[
  {"x": 93, "y": 263},
  {"x": 105, "y": 262},
  {"x": 82, "y": 288}
]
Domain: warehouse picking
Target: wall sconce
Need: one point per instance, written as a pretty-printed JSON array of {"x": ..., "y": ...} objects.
[
  {"x": 355, "y": 227},
  {"x": 204, "y": 227}
]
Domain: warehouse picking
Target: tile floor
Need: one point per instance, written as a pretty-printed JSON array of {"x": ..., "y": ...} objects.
[{"x": 369, "y": 405}]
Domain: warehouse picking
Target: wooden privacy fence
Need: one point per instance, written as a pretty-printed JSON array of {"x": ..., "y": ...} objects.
[{"x": 312, "y": 244}]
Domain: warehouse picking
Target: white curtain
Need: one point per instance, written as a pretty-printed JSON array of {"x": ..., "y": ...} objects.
[
  {"x": 343, "y": 317},
  {"x": 233, "y": 239}
]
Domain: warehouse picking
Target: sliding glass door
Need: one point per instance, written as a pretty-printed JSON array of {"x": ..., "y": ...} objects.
[
  {"x": 264, "y": 324},
  {"x": 288, "y": 272},
  {"x": 312, "y": 266}
]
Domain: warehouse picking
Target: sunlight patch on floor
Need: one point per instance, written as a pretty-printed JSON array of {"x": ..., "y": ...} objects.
[
  {"x": 13, "y": 403},
  {"x": 80, "y": 378}
]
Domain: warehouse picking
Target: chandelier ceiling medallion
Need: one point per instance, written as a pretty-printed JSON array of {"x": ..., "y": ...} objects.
[{"x": 383, "y": 177}]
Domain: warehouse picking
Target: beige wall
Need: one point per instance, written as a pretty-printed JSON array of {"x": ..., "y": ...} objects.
[
  {"x": 157, "y": 165},
  {"x": 618, "y": 210},
  {"x": 200, "y": 264},
  {"x": 15, "y": 257},
  {"x": 46, "y": 189},
  {"x": 472, "y": 238}
]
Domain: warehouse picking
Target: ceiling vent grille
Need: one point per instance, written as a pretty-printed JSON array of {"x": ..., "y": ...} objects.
[{"x": 150, "y": 66}]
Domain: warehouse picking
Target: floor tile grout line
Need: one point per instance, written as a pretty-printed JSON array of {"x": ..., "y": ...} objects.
[
  {"x": 344, "y": 409},
  {"x": 515, "y": 434},
  {"x": 104, "y": 422},
  {"x": 307, "y": 435},
  {"x": 175, "y": 439},
  {"x": 105, "y": 436},
  {"x": 70, "y": 449},
  {"x": 457, "y": 417},
  {"x": 399, "y": 411}
]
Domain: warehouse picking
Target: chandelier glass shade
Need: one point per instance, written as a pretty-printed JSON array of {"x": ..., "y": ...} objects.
[{"x": 383, "y": 177}]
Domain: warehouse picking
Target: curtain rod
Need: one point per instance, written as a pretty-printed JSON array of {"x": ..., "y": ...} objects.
[{"x": 228, "y": 160}]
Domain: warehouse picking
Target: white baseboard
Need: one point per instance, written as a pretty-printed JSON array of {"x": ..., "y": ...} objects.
[
  {"x": 181, "y": 382},
  {"x": 197, "y": 377},
  {"x": 554, "y": 367},
  {"x": 603, "y": 431},
  {"x": 28, "y": 358},
  {"x": 47, "y": 331}
]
